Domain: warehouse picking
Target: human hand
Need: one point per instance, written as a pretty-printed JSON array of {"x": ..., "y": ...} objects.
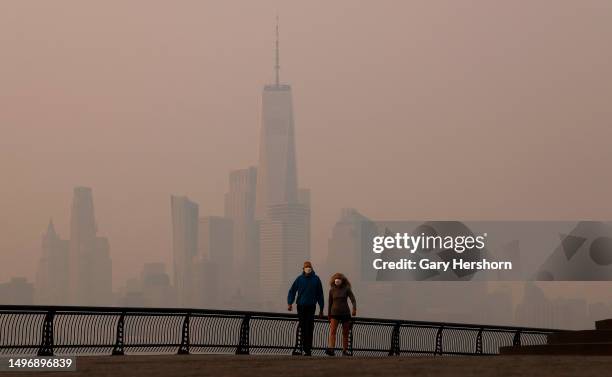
[
  {"x": 290, "y": 307},
  {"x": 354, "y": 313},
  {"x": 321, "y": 314}
]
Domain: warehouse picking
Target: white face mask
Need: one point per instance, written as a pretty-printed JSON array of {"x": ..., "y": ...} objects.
[
  {"x": 308, "y": 270},
  {"x": 337, "y": 281}
]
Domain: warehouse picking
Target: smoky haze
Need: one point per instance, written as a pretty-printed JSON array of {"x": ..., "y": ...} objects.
[{"x": 475, "y": 110}]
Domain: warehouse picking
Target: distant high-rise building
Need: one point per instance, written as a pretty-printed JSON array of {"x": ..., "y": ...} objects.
[
  {"x": 573, "y": 313},
  {"x": 131, "y": 294},
  {"x": 214, "y": 264},
  {"x": 282, "y": 211},
  {"x": 346, "y": 255},
  {"x": 285, "y": 245},
  {"x": 151, "y": 289},
  {"x": 497, "y": 308},
  {"x": 184, "y": 246},
  {"x": 89, "y": 259},
  {"x": 209, "y": 280},
  {"x": 240, "y": 207},
  {"x": 277, "y": 180},
  {"x": 155, "y": 286},
  {"x": 304, "y": 196},
  {"x": 345, "y": 245},
  {"x": 535, "y": 309},
  {"x": 215, "y": 242},
  {"x": 18, "y": 291},
  {"x": 52, "y": 277}
]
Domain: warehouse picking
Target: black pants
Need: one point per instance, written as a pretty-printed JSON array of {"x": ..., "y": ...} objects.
[{"x": 306, "y": 315}]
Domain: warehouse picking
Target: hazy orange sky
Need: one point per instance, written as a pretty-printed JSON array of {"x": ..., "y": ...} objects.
[{"x": 404, "y": 110}]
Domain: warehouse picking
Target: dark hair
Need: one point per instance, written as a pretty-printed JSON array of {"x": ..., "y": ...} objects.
[{"x": 340, "y": 276}]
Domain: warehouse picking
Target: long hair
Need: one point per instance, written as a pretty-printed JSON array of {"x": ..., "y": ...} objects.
[{"x": 338, "y": 275}]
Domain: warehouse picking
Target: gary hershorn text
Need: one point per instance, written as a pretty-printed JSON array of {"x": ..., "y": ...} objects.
[{"x": 427, "y": 264}]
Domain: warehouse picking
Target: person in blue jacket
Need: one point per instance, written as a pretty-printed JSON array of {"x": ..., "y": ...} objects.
[{"x": 309, "y": 292}]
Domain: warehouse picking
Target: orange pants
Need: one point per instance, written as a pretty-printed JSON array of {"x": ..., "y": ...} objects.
[{"x": 333, "y": 327}]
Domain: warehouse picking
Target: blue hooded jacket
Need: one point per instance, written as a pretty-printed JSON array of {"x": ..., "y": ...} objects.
[{"x": 309, "y": 290}]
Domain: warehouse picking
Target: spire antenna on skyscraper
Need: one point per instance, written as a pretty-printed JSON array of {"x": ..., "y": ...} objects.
[
  {"x": 51, "y": 227},
  {"x": 277, "y": 66}
]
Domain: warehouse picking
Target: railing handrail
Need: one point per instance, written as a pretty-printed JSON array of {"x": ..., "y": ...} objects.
[
  {"x": 46, "y": 329},
  {"x": 114, "y": 310}
]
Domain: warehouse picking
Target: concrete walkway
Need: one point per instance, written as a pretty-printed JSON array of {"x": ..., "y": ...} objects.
[{"x": 288, "y": 366}]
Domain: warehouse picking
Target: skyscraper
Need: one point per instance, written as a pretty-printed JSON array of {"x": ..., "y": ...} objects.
[
  {"x": 215, "y": 252},
  {"x": 282, "y": 211},
  {"x": 90, "y": 268},
  {"x": 277, "y": 180},
  {"x": 346, "y": 253},
  {"x": 155, "y": 285},
  {"x": 240, "y": 207},
  {"x": 345, "y": 246},
  {"x": 215, "y": 241},
  {"x": 184, "y": 246},
  {"x": 285, "y": 245},
  {"x": 52, "y": 277}
]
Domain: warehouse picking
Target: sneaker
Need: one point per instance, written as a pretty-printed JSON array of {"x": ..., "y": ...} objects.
[
  {"x": 346, "y": 353},
  {"x": 330, "y": 352},
  {"x": 307, "y": 354}
]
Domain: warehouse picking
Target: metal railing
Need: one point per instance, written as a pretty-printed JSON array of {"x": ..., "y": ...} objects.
[{"x": 71, "y": 330}]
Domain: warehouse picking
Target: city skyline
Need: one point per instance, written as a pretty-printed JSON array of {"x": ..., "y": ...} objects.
[
  {"x": 383, "y": 127},
  {"x": 65, "y": 123},
  {"x": 490, "y": 303}
]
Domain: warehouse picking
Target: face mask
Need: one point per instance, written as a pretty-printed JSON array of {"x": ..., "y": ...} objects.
[
  {"x": 308, "y": 270},
  {"x": 337, "y": 281}
]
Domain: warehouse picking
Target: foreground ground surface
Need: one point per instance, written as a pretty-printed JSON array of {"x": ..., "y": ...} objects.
[{"x": 288, "y": 366}]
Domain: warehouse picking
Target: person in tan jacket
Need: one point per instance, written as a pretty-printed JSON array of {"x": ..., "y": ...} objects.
[{"x": 339, "y": 312}]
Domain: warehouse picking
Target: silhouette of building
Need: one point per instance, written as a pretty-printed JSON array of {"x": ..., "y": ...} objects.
[
  {"x": 215, "y": 242},
  {"x": 344, "y": 247},
  {"x": 156, "y": 287},
  {"x": 17, "y": 291},
  {"x": 209, "y": 281},
  {"x": 151, "y": 289},
  {"x": 215, "y": 253},
  {"x": 277, "y": 180},
  {"x": 52, "y": 276},
  {"x": 346, "y": 254},
  {"x": 571, "y": 313},
  {"x": 535, "y": 309},
  {"x": 184, "y": 246},
  {"x": 282, "y": 210},
  {"x": 90, "y": 268},
  {"x": 497, "y": 307},
  {"x": 131, "y": 294},
  {"x": 240, "y": 207},
  {"x": 285, "y": 245},
  {"x": 562, "y": 313}
]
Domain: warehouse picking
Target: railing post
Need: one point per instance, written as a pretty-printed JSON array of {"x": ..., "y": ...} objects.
[
  {"x": 479, "y": 342},
  {"x": 439, "y": 350},
  {"x": 118, "y": 349},
  {"x": 517, "y": 338},
  {"x": 243, "y": 345},
  {"x": 297, "y": 348},
  {"x": 184, "y": 347},
  {"x": 46, "y": 344},
  {"x": 395, "y": 343}
]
